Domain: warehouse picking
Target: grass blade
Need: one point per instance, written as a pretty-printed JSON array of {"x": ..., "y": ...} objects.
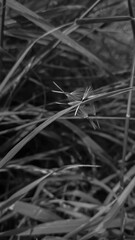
[
  {"x": 91, "y": 145},
  {"x": 113, "y": 212},
  {"x": 39, "y": 21},
  {"x": 57, "y": 227},
  {"x": 32, "y": 134},
  {"x": 35, "y": 212},
  {"x": 19, "y": 194},
  {"x": 103, "y": 20}
]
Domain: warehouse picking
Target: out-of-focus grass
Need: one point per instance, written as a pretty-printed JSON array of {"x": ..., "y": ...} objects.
[{"x": 59, "y": 177}]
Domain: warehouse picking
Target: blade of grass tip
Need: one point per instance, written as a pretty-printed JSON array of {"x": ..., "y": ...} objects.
[
  {"x": 92, "y": 6},
  {"x": 32, "y": 134},
  {"x": 13, "y": 232},
  {"x": 125, "y": 142},
  {"x": 59, "y": 88},
  {"x": 16, "y": 65},
  {"x": 110, "y": 94},
  {"x": 3, "y": 10},
  {"x": 78, "y": 166}
]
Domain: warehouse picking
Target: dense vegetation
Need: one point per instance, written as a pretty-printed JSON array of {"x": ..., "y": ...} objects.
[{"x": 67, "y": 119}]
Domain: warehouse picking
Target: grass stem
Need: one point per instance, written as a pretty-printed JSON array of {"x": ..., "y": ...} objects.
[{"x": 3, "y": 10}]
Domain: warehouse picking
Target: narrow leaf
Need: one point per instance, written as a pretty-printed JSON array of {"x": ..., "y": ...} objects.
[
  {"x": 104, "y": 20},
  {"x": 35, "y": 212}
]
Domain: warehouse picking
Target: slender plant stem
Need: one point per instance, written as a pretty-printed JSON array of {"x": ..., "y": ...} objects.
[
  {"x": 125, "y": 143},
  {"x": 3, "y": 7}
]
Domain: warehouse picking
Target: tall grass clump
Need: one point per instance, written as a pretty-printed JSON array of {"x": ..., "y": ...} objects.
[{"x": 67, "y": 119}]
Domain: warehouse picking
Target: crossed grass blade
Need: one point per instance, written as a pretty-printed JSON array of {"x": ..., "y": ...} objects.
[
  {"x": 43, "y": 125},
  {"x": 116, "y": 207},
  {"x": 21, "y": 58},
  {"x": 90, "y": 144},
  {"x": 111, "y": 210},
  {"x": 22, "y": 192},
  {"x": 40, "y": 22},
  {"x": 31, "y": 135}
]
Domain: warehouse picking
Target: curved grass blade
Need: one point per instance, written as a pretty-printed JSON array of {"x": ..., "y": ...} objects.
[
  {"x": 90, "y": 144},
  {"x": 43, "y": 125},
  {"x": 21, "y": 58},
  {"x": 21, "y": 193},
  {"x": 31, "y": 135}
]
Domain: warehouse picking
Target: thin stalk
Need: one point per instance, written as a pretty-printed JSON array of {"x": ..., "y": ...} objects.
[
  {"x": 132, "y": 16},
  {"x": 3, "y": 10},
  {"x": 125, "y": 142}
]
